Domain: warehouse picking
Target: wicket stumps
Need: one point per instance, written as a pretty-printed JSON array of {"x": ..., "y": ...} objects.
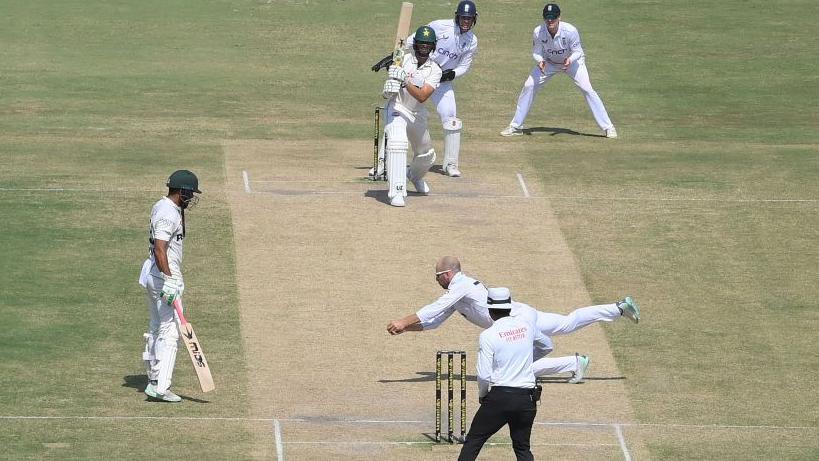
[
  {"x": 450, "y": 395},
  {"x": 378, "y": 171}
]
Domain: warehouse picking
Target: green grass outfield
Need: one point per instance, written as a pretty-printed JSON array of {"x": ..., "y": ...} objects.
[{"x": 705, "y": 209}]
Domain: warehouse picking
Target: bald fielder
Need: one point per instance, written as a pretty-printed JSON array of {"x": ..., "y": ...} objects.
[
  {"x": 407, "y": 88},
  {"x": 556, "y": 49},
  {"x": 454, "y": 51},
  {"x": 161, "y": 277},
  {"x": 468, "y": 297}
]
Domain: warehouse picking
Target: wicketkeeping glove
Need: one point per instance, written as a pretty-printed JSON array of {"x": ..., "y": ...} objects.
[
  {"x": 448, "y": 75},
  {"x": 391, "y": 88},
  {"x": 172, "y": 288},
  {"x": 386, "y": 61},
  {"x": 397, "y": 73}
]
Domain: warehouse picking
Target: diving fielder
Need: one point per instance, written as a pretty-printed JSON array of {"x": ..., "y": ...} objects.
[
  {"x": 161, "y": 276},
  {"x": 407, "y": 88}
]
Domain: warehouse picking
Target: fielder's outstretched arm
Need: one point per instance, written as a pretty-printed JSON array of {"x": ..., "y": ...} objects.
[{"x": 408, "y": 323}]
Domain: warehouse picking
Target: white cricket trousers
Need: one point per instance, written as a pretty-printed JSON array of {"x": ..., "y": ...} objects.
[
  {"x": 578, "y": 72},
  {"x": 555, "y": 324},
  {"x": 163, "y": 334}
]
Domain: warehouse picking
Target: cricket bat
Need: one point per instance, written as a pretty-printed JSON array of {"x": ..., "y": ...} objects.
[
  {"x": 402, "y": 33},
  {"x": 194, "y": 347}
]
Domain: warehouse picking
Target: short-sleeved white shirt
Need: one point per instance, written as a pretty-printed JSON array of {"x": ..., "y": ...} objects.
[
  {"x": 505, "y": 355},
  {"x": 166, "y": 224},
  {"x": 428, "y": 73}
]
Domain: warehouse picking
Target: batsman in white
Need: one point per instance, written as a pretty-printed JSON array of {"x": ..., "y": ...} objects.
[
  {"x": 407, "y": 88},
  {"x": 454, "y": 52},
  {"x": 468, "y": 297},
  {"x": 556, "y": 49},
  {"x": 161, "y": 277}
]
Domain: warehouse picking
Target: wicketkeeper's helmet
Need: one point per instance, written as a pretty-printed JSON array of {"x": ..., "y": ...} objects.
[{"x": 466, "y": 9}]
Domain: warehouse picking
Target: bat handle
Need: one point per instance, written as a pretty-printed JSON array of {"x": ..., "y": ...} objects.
[{"x": 177, "y": 304}]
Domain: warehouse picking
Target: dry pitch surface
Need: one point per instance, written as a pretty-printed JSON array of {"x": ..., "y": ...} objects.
[{"x": 323, "y": 265}]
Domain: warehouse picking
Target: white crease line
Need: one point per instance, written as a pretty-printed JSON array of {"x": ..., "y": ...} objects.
[
  {"x": 523, "y": 185},
  {"x": 622, "y": 441},
  {"x": 430, "y": 442},
  {"x": 387, "y": 421},
  {"x": 246, "y": 179},
  {"x": 277, "y": 430}
]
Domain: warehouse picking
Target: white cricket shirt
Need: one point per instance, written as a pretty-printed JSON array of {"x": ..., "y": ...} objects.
[
  {"x": 429, "y": 73},
  {"x": 453, "y": 50},
  {"x": 565, "y": 43},
  {"x": 166, "y": 224},
  {"x": 505, "y": 355},
  {"x": 465, "y": 295}
]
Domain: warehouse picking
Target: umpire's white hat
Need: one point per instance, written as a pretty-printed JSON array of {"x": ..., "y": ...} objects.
[{"x": 499, "y": 298}]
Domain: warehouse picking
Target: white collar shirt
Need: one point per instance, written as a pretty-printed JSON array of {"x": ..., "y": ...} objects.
[
  {"x": 453, "y": 50},
  {"x": 428, "y": 73},
  {"x": 464, "y": 295},
  {"x": 505, "y": 355},
  {"x": 565, "y": 44},
  {"x": 166, "y": 224}
]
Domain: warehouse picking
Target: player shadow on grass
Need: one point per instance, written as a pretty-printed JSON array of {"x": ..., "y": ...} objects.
[
  {"x": 139, "y": 382},
  {"x": 556, "y": 131},
  {"x": 426, "y": 376}
]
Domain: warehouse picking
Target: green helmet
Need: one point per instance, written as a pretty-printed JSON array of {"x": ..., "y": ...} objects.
[
  {"x": 425, "y": 34},
  {"x": 184, "y": 180}
]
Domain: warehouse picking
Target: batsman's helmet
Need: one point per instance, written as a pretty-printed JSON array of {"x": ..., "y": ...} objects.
[
  {"x": 425, "y": 34},
  {"x": 185, "y": 180},
  {"x": 466, "y": 9},
  {"x": 187, "y": 183}
]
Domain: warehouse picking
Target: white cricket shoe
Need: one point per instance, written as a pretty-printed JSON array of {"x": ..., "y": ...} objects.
[
  {"x": 421, "y": 186},
  {"x": 582, "y": 366},
  {"x": 168, "y": 396},
  {"x": 452, "y": 171},
  {"x": 611, "y": 133},
  {"x": 398, "y": 200},
  {"x": 512, "y": 131}
]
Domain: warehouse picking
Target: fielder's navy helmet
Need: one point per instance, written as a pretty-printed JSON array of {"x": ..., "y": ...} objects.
[{"x": 466, "y": 9}]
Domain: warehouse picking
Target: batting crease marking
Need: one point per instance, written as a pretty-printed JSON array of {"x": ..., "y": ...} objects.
[
  {"x": 277, "y": 430},
  {"x": 622, "y": 441},
  {"x": 246, "y": 179},
  {"x": 523, "y": 185}
]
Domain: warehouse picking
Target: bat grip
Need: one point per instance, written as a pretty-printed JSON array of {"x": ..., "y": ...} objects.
[{"x": 177, "y": 304}]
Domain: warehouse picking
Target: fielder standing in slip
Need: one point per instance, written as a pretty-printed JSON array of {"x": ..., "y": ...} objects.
[
  {"x": 556, "y": 49},
  {"x": 468, "y": 297},
  {"x": 454, "y": 52},
  {"x": 407, "y": 88},
  {"x": 507, "y": 390},
  {"x": 161, "y": 276}
]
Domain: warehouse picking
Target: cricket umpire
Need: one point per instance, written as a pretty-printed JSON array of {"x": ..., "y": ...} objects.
[{"x": 506, "y": 383}]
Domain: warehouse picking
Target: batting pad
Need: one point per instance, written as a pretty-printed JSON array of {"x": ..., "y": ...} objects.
[{"x": 166, "y": 361}]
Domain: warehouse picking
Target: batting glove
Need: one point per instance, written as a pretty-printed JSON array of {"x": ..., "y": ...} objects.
[
  {"x": 391, "y": 88},
  {"x": 172, "y": 288},
  {"x": 397, "y": 73}
]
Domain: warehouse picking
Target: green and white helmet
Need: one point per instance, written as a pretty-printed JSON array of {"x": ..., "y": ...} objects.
[{"x": 188, "y": 184}]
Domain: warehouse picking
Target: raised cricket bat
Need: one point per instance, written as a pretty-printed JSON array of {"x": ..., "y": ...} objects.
[
  {"x": 194, "y": 347},
  {"x": 402, "y": 32}
]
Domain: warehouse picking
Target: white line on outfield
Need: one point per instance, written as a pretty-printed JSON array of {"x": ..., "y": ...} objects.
[
  {"x": 382, "y": 421},
  {"x": 622, "y": 440},
  {"x": 523, "y": 185},
  {"x": 246, "y": 180},
  {"x": 277, "y": 429}
]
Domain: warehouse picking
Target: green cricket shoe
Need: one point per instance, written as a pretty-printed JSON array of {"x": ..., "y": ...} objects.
[
  {"x": 583, "y": 362},
  {"x": 628, "y": 307}
]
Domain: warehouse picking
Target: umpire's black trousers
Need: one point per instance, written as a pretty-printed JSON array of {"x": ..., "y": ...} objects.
[{"x": 501, "y": 406}]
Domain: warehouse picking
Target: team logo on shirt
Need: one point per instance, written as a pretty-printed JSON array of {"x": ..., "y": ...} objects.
[{"x": 448, "y": 54}]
